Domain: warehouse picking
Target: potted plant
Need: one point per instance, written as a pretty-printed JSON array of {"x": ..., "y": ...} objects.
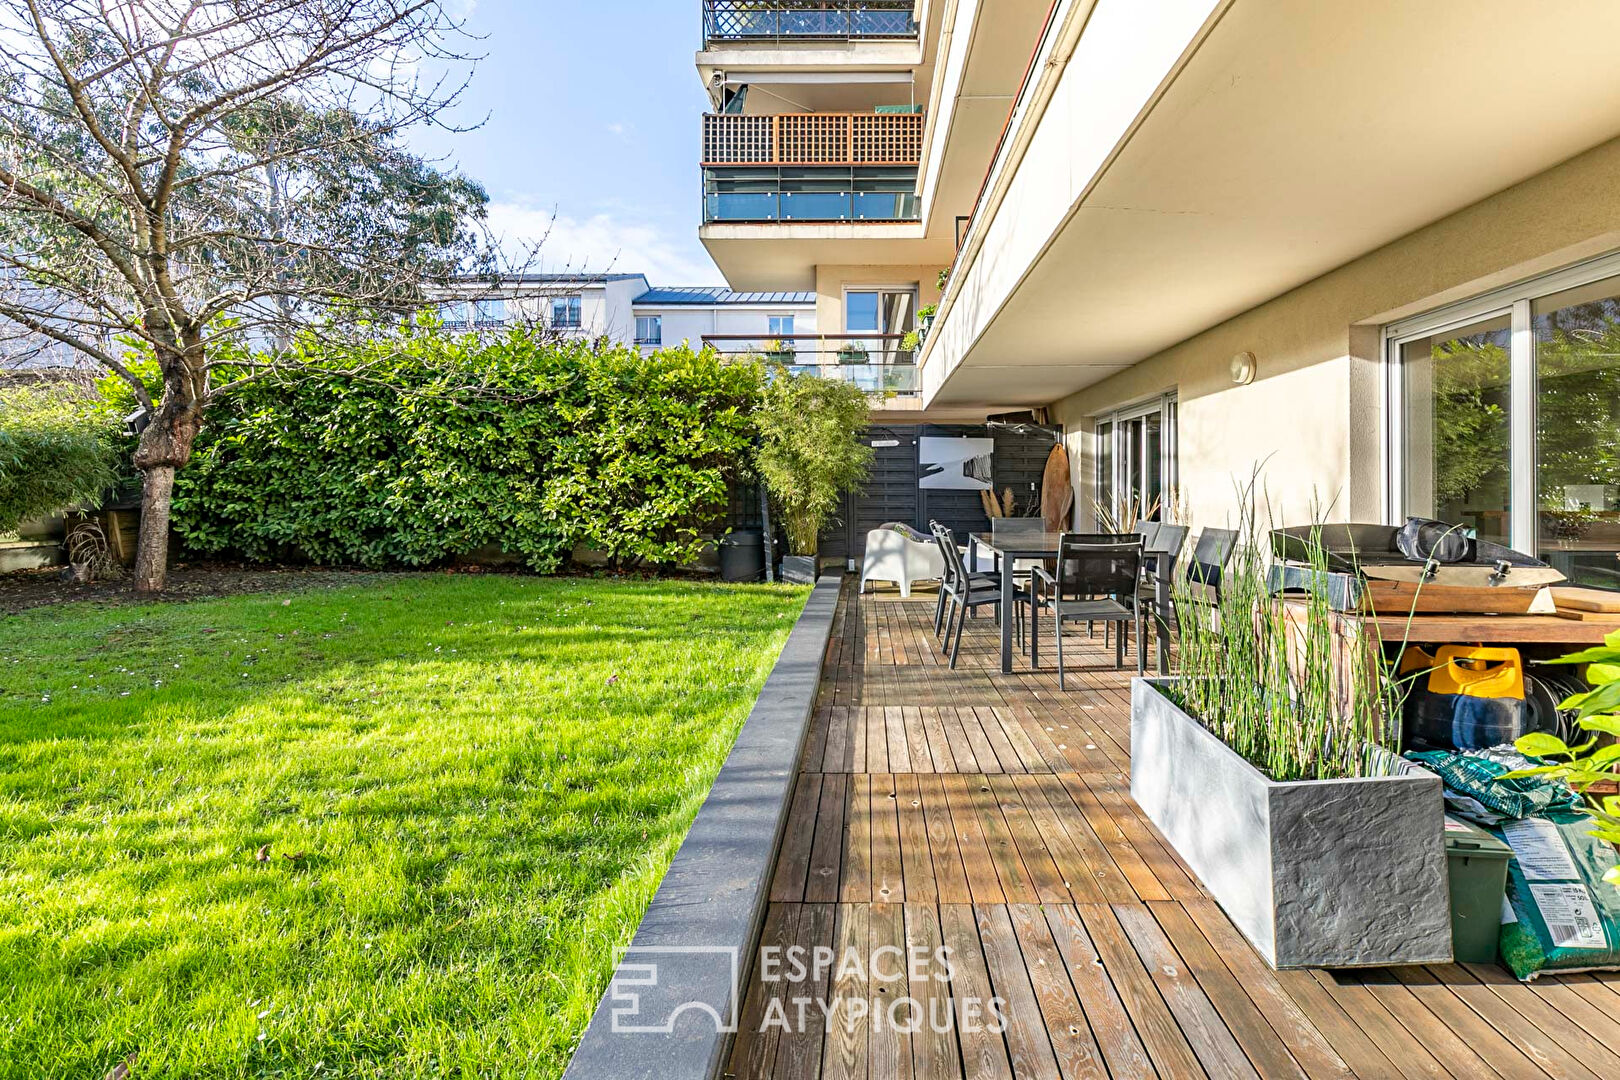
[
  {"x": 780, "y": 351},
  {"x": 810, "y": 454},
  {"x": 925, "y": 320},
  {"x": 1270, "y": 766},
  {"x": 853, "y": 352}
]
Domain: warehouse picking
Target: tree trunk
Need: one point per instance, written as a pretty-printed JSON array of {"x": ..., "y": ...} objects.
[
  {"x": 164, "y": 447},
  {"x": 152, "y": 554}
]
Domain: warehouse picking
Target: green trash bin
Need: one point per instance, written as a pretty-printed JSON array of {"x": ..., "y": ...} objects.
[{"x": 1477, "y": 865}]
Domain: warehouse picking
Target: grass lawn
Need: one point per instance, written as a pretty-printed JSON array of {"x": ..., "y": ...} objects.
[{"x": 481, "y": 781}]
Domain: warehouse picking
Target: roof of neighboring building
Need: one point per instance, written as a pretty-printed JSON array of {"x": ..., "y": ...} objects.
[
  {"x": 708, "y": 295},
  {"x": 550, "y": 279}
]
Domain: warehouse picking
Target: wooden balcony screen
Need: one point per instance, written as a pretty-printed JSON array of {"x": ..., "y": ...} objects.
[{"x": 802, "y": 139}]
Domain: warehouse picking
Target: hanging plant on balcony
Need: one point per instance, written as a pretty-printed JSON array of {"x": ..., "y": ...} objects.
[{"x": 853, "y": 353}]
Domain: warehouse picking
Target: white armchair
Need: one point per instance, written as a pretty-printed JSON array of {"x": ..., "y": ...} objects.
[{"x": 894, "y": 556}]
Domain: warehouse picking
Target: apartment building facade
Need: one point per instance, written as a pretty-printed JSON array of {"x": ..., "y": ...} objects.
[
  {"x": 627, "y": 309},
  {"x": 1372, "y": 249}
]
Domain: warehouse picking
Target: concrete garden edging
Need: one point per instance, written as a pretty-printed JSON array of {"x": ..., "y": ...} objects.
[
  {"x": 1315, "y": 873},
  {"x": 690, "y": 954}
]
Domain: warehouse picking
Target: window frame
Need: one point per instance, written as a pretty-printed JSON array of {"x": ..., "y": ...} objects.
[
  {"x": 1167, "y": 406},
  {"x": 574, "y": 306},
  {"x": 657, "y": 322},
  {"x": 1515, "y": 302},
  {"x": 773, "y": 326}
]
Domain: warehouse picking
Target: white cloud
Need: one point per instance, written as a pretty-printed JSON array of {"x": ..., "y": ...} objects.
[{"x": 601, "y": 243}]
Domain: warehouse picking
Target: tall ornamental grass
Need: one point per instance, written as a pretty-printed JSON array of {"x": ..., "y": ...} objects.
[{"x": 1266, "y": 678}]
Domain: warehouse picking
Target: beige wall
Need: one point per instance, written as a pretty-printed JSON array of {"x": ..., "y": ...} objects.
[
  {"x": 1314, "y": 414},
  {"x": 832, "y": 280}
]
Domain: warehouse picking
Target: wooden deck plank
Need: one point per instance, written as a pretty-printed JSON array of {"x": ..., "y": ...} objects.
[
  {"x": 793, "y": 863},
  {"x": 933, "y": 1046},
  {"x": 826, "y": 852},
  {"x": 888, "y": 994},
  {"x": 916, "y": 856},
  {"x": 894, "y": 726},
  {"x": 950, "y": 879},
  {"x": 754, "y": 1053},
  {"x": 919, "y": 759},
  {"x": 844, "y": 1048},
  {"x": 888, "y": 876},
  {"x": 1161, "y": 1035},
  {"x": 983, "y": 882},
  {"x": 939, "y": 745},
  {"x": 1067, "y": 1029},
  {"x": 799, "y": 1049},
  {"x": 984, "y": 1052},
  {"x": 1028, "y": 1043},
  {"x": 1111, "y": 1025},
  {"x": 855, "y": 882},
  {"x": 1268, "y": 1051},
  {"x": 1032, "y": 850},
  {"x": 1200, "y": 1022}
]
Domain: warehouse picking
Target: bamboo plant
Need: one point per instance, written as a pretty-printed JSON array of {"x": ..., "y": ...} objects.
[{"x": 1292, "y": 688}]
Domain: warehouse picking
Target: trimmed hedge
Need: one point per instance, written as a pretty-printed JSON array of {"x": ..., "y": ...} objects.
[
  {"x": 410, "y": 449},
  {"x": 56, "y": 449}
]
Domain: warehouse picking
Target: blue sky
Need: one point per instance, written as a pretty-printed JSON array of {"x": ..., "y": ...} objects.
[{"x": 593, "y": 112}]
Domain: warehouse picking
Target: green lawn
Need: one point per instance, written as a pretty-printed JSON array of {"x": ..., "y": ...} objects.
[{"x": 482, "y": 780}]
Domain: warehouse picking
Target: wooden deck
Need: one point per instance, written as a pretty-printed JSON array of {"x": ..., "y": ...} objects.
[{"x": 992, "y": 815}]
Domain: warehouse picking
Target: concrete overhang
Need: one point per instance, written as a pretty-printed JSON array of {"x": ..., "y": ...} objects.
[
  {"x": 1198, "y": 158},
  {"x": 783, "y": 257},
  {"x": 984, "y": 51}
]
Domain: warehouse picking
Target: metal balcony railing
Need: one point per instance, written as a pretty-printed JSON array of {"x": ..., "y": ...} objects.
[
  {"x": 877, "y": 363},
  {"x": 807, "y": 20},
  {"x": 813, "y": 139}
]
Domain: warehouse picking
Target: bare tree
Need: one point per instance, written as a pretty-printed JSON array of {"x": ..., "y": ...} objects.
[{"x": 183, "y": 175}]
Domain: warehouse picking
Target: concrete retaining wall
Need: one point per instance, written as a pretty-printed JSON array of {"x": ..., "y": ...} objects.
[{"x": 670, "y": 1012}]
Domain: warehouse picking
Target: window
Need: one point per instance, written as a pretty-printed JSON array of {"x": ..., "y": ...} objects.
[
  {"x": 454, "y": 315},
  {"x": 565, "y": 313},
  {"x": 649, "y": 329},
  {"x": 888, "y": 314},
  {"x": 1506, "y": 418},
  {"x": 490, "y": 312},
  {"x": 1137, "y": 463},
  {"x": 781, "y": 326}
]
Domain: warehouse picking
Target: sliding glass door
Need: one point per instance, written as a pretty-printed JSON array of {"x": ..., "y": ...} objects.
[
  {"x": 1507, "y": 420},
  {"x": 1136, "y": 464}
]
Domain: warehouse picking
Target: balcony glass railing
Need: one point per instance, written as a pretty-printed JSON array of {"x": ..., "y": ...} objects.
[
  {"x": 807, "y": 20},
  {"x": 877, "y": 363},
  {"x": 742, "y": 207}
]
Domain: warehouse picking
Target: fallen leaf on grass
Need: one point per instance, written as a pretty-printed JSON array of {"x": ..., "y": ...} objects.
[
  {"x": 263, "y": 854},
  {"x": 297, "y": 856},
  {"x": 121, "y": 1070}
]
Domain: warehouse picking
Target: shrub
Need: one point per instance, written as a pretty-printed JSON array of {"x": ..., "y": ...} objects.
[
  {"x": 810, "y": 452},
  {"x": 56, "y": 450},
  {"x": 410, "y": 448}
]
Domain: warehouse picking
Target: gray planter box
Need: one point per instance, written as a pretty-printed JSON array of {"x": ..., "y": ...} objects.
[
  {"x": 1315, "y": 873},
  {"x": 799, "y": 569}
]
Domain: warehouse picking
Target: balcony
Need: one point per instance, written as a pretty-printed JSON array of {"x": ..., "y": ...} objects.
[
  {"x": 811, "y": 167},
  {"x": 727, "y": 21},
  {"x": 877, "y": 363}
]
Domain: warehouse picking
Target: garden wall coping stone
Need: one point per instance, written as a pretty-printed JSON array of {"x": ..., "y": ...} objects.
[{"x": 685, "y": 967}]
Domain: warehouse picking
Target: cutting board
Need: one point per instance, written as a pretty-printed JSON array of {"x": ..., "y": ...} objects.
[{"x": 1572, "y": 598}]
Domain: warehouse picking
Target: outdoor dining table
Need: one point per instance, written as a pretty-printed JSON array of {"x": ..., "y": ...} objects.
[{"x": 1007, "y": 550}]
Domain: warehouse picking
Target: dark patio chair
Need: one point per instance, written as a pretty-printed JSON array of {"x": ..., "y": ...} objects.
[
  {"x": 1094, "y": 580},
  {"x": 980, "y": 578},
  {"x": 1161, "y": 552},
  {"x": 967, "y": 592}
]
